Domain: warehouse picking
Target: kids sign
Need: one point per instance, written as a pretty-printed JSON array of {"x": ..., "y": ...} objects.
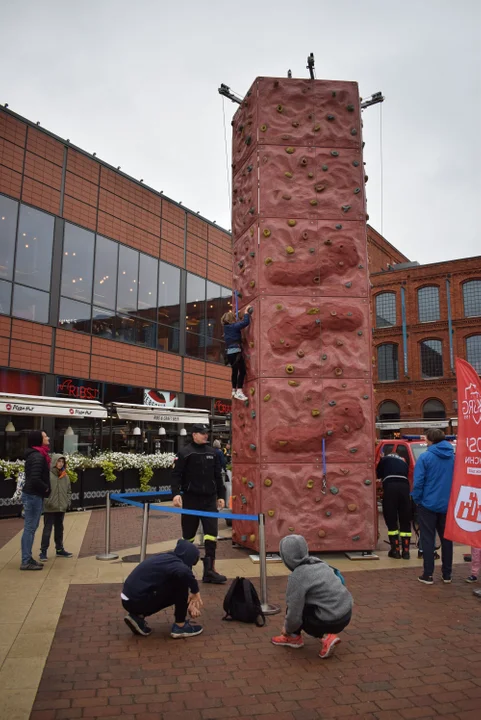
[{"x": 463, "y": 523}]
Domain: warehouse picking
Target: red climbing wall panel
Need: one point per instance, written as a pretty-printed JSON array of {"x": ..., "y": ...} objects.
[{"x": 299, "y": 227}]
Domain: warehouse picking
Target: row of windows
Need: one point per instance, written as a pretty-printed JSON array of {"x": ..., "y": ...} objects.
[
  {"x": 428, "y": 304},
  {"x": 106, "y": 288},
  {"x": 432, "y": 409},
  {"x": 431, "y": 358}
]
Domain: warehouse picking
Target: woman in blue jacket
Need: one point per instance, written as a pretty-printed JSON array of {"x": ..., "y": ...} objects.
[
  {"x": 433, "y": 477},
  {"x": 233, "y": 347}
]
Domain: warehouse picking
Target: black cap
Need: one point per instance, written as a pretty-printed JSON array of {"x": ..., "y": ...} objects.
[{"x": 204, "y": 429}]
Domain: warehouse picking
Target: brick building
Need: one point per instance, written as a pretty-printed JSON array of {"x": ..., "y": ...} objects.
[
  {"x": 107, "y": 288},
  {"x": 424, "y": 316}
]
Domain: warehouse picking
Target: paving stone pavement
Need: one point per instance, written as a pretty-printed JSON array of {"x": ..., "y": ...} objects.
[{"x": 411, "y": 651}]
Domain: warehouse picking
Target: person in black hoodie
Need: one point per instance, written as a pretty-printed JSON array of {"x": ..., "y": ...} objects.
[
  {"x": 35, "y": 489},
  {"x": 159, "y": 582},
  {"x": 393, "y": 470},
  {"x": 197, "y": 474}
]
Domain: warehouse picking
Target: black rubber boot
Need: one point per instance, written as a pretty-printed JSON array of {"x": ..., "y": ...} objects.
[
  {"x": 394, "y": 551},
  {"x": 210, "y": 574},
  {"x": 406, "y": 543}
]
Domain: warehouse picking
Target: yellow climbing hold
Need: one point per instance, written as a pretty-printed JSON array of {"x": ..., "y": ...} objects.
[
  {"x": 313, "y": 311},
  {"x": 263, "y": 128},
  {"x": 310, "y": 484},
  {"x": 315, "y": 412},
  {"x": 291, "y": 529},
  {"x": 244, "y": 480},
  {"x": 267, "y": 397},
  {"x": 252, "y": 538},
  {"x": 289, "y": 369},
  {"x": 252, "y": 391},
  {"x": 288, "y": 174},
  {"x": 251, "y": 344},
  {"x": 352, "y": 507},
  {"x": 290, "y": 150},
  {"x": 279, "y": 108},
  {"x": 292, "y": 223},
  {"x": 313, "y": 202},
  {"x": 317, "y": 128},
  {"x": 278, "y": 306},
  {"x": 282, "y": 341},
  {"x": 271, "y": 513},
  {"x": 267, "y": 482},
  {"x": 290, "y": 250},
  {"x": 293, "y": 383},
  {"x": 266, "y": 232},
  {"x": 252, "y": 283},
  {"x": 322, "y": 533},
  {"x": 282, "y": 443}
]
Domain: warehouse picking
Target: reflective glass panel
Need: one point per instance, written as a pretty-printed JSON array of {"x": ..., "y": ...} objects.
[
  {"x": 8, "y": 225},
  {"x": 103, "y": 323},
  {"x": 431, "y": 358},
  {"x": 5, "y": 297},
  {"x": 473, "y": 352},
  {"x": 30, "y": 304},
  {"x": 214, "y": 351},
  {"x": 195, "y": 345},
  {"x": 168, "y": 338},
  {"x": 128, "y": 278},
  {"x": 195, "y": 303},
  {"x": 472, "y": 298},
  {"x": 385, "y": 309},
  {"x": 387, "y": 362},
  {"x": 169, "y": 294},
  {"x": 77, "y": 263},
  {"x": 147, "y": 301},
  {"x": 105, "y": 277},
  {"x": 74, "y": 315},
  {"x": 33, "y": 263},
  {"x": 214, "y": 307},
  {"x": 428, "y": 304}
]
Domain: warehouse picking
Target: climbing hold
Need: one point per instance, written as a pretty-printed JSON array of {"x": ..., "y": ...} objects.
[
  {"x": 356, "y": 537},
  {"x": 349, "y": 284},
  {"x": 316, "y": 128},
  {"x": 289, "y": 369},
  {"x": 303, "y": 161},
  {"x": 322, "y": 533},
  {"x": 359, "y": 332},
  {"x": 310, "y": 175},
  {"x": 252, "y": 446},
  {"x": 282, "y": 443},
  {"x": 278, "y": 306},
  {"x": 250, "y": 485},
  {"x": 288, "y": 174},
  {"x": 252, "y": 211},
  {"x": 267, "y": 397},
  {"x": 300, "y": 353},
  {"x": 353, "y": 450},
  {"x": 334, "y": 490},
  {"x": 290, "y": 250},
  {"x": 293, "y": 383},
  {"x": 339, "y": 343},
  {"x": 312, "y": 250},
  {"x": 252, "y": 254},
  {"x": 250, "y": 168},
  {"x": 346, "y": 428},
  {"x": 344, "y": 385},
  {"x": 286, "y": 197},
  {"x": 327, "y": 242},
  {"x": 316, "y": 279},
  {"x": 295, "y": 124},
  {"x": 243, "y": 538},
  {"x": 267, "y": 482},
  {"x": 338, "y": 371},
  {"x": 244, "y": 480},
  {"x": 367, "y": 481},
  {"x": 285, "y": 137},
  {"x": 366, "y": 178},
  {"x": 251, "y": 344},
  {"x": 263, "y": 128},
  {"x": 279, "y": 108},
  {"x": 325, "y": 168},
  {"x": 338, "y": 227},
  {"x": 271, "y": 513},
  {"x": 243, "y": 499},
  {"x": 291, "y": 529},
  {"x": 324, "y": 357},
  {"x": 290, "y": 150},
  {"x": 332, "y": 403},
  {"x": 252, "y": 538},
  {"x": 330, "y": 432},
  {"x": 315, "y": 413},
  {"x": 310, "y": 484},
  {"x": 282, "y": 341},
  {"x": 331, "y": 118},
  {"x": 266, "y": 232},
  {"x": 334, "y": 93},
  {"x": 292, "y": 223},
  {"x": 356, "y": 163},
  {"x": 313, "y": 202},
  {"x": 328, "y": 513},
  {"x": 333, "y": 313},
  {"x": 365, "y": 397},
  {"x": 357, "y": 191},
  {"x": 318, "y": 322},
  {"x": 252, "y": 283},
  {"x": 334, "y": 153},
  {"x": 353, "y": 131},
  {"x": 313, "y": 311},
  {"x": 241, "y": 263},
  {"x": 248, "y": 140},
  {"x": 345, "y": 208},
  {"x": 361, "y": 267},
  {"x": 352, "y": 507},
  {"x": 319, "y": 188},
  {"x": 253, "y": 413},
  {"x": 341, "y": 263},
  {"x": 345, "y": 471},
  {"x": 350, "y": 108},
  {"x": 349, "y": 314},
  {"x": 305, "y": 235},
  {"x": 252, "y": 391}
]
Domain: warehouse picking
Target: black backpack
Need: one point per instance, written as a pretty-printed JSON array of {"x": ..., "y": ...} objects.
[{"x": 242, "y": 603}]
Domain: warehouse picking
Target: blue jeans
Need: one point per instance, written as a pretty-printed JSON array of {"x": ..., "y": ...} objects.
[
  {"x": 429, "y": 522},
  {"x": 33, "y": 506}
]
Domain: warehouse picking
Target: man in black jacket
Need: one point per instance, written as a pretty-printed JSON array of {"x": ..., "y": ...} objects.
[
  {"x": 393, "y": 470},
  {"x": 197, "y": 475},
  {"x": 35, "y": 489},
  {"x": 159, "y": 582}
]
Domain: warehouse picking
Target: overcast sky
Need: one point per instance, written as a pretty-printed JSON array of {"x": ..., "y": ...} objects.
[{"x": 136, "y": 82}]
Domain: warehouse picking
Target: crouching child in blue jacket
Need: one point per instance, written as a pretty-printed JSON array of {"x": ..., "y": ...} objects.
[
  {"x": 161, "y": 581},
  {"x": 317, "y": 600}
]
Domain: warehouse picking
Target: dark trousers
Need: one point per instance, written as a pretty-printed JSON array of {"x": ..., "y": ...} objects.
[
  {"x": 177, "y": 594},
  {"x": 236, "y": 361},
  {"x": 190, "y": 523},
  {"x": 429, "y": 523},
  {"x": 52, "y": 520},
  {"x": 316, "y": 627},
  {"x": 396, "y": 506}
]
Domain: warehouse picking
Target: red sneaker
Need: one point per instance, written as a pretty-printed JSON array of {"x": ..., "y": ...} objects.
[
  {"x": 328, "y": 645},
  {"x": 293, "y": 641}
]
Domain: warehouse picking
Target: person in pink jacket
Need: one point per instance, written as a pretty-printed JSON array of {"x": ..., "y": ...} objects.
[{"x": 475, "y": 565}]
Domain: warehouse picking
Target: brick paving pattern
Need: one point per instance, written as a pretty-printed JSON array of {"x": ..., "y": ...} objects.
[
  {"x": 411, "y": 651},
  {"x": 9, "y": 527}
]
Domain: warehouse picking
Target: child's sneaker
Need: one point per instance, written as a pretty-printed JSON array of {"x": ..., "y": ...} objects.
[
  {"x": 43, "y": 556},
  {"x": 426, "y": 579},
  {"x": 239, "y": 395},
  {"x": 137, "y": 625},
  {"x": 472, "y": 579},
  {"x": 328, "y": 645},
  {"x": 292, "y": 641},
  {"x": 233, "y": 392},
  {"x": 447, "y": 579},
  {"x": 64, "y": 553},
  {"x": 187, "y": 630}
]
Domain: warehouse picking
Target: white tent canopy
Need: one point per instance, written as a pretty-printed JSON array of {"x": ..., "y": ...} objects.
[{"x": 11, "y": 404}]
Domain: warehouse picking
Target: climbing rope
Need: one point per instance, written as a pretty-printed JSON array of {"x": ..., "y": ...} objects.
[
  {"x": 227, "y": 171},
  {"x": 324, "y": 467}
]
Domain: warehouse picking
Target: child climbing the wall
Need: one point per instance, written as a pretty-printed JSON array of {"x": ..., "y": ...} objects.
[
  {"x": 317, "y": 600},
  {"x": 233, "y": 348}
]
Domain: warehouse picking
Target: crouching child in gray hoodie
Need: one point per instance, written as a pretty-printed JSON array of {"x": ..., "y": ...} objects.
[{"x": 317, "y": 600}]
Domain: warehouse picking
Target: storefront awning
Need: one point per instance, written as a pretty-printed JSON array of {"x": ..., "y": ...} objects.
[
  {"x": 402, "y": 424},
  {"x": 147, "y": 413},
  {"x": 58, "y": 407}
]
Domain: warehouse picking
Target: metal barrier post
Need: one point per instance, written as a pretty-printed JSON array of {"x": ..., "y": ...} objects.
[
  {"x": 145, "y": 532},
  {"x": 267, "y": 608},
  {"x": 107, "y": 555}
]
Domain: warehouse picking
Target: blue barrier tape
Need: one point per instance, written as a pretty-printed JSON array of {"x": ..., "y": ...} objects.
[
  {"x": 141, "y": 494},
  {"x": 121, "y": 497}
]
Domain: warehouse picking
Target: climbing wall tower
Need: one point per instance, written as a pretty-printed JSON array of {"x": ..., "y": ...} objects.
[{"x": 300, "y": 259}]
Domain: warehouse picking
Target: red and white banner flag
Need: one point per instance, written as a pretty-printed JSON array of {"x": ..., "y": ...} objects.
[{"x": 463, "y": 522}]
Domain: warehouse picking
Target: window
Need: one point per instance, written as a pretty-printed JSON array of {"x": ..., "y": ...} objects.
[
  {"x": 105, "y": 277},
  {"x": 168, "y": 338},
  {"x": 5, "y": 297},
  {"x": 195, "y": 303},
  {"x": 428, "y": 304},
  {"x": 74, "y": 315},
  {"x": 473, "y": 352},
  {"x": 168, "y": 302},
  {"x": 387, "y": 449},
  {"x": 103, "y": 323},
  {"x": 147, "y": 300},
  {"x": 472, "y": 298},
  {"x": 431, "y": 358},
  {"x": 33, "y": 262},
  {"x": 433, "y": 410},
  {"x": 389, "y": 410},
  {"x": 30, "y": 304},
  {"x": 128, "y": 276},
  {"x": 385, "y": 309},
  {"x": 8, "y": 226},
  {"x": 387, "y": 362},
  {"x": 77, "y": 263},
  {"x": 195, "y": 345}
]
